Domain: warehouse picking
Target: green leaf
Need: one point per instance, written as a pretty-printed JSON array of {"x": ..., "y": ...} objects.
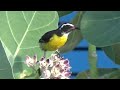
[
  {"x": 8, "y": 54},
  {"x": 22, "y": 71},
  {"x": 113, "y": 52},
  {"x": 101, "y": 28},
  {"x": 109, "y": 73},
  {"x": 5, "y": 67},
  {"x": 62, "y": 13},
  {"x": 20, "y": 32},
  {"x": 83, "y": 75},
  {"x": 75, "y": 37},
  {"x": 104, "y": 73}
]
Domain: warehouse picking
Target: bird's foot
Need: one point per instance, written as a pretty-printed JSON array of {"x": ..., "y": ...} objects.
[
  {"x": 58, "y": 53},
  {"x": 44, "y": 56}
]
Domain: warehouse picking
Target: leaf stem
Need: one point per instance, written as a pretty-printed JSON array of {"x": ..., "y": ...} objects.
[
  {"x": 93, "y": 61},
  {"x": 77, "y": 19}
]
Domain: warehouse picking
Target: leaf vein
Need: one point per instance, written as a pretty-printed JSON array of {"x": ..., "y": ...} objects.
[
  {"x": 24, "y": 17},
  {"x": 18, "y": 48},
  {"x": 30, "y": 47},
  {"x": 46, "y": 24},
  {"x": 10, "y": 28}
]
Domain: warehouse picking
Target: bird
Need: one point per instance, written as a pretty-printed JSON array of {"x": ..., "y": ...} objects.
[{"x": 53, "y": 40}]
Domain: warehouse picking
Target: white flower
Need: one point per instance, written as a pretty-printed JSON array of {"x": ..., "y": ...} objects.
[
  {"x": 53, "y": 68},
  {"x": 45, "y": 74},
  {"x": 31, "y": 61}
]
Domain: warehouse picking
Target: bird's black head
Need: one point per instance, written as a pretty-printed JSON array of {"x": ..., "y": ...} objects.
[{"x": 67, "y": 27}]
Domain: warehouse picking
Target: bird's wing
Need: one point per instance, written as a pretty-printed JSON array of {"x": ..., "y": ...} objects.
[{"x": 47, "y": 36}]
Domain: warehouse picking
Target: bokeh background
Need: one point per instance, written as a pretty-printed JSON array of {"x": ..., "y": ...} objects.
[{"x": 79, "y": 56}]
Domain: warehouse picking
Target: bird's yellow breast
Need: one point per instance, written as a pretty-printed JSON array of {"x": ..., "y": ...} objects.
[{"x": 55, "y": 42}]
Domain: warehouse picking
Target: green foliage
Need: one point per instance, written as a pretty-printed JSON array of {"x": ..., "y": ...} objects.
[
  {"x": 113, "y": 52},
  {"x": 20, "y": 32},
  {"x": 62, "y": 13},
  {"x": 83, "y": 75},
  {"x": 5, "y": 67},
  {"x": 101, "y": 28},
  {"x": 22, "y": 71},
  {"x": 115, "y": 74},
  {"x": 104, "y": 73}
]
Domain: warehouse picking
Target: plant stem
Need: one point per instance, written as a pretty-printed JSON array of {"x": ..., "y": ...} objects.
[
  {"x": 93, "y": 61},
  {"x": 77, "y": 19}
]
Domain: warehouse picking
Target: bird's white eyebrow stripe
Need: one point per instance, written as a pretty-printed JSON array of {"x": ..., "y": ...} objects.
[{"x": 66, "y": 24}]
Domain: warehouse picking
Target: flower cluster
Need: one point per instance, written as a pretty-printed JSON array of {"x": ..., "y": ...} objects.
[{"x": 53, "y": 68}]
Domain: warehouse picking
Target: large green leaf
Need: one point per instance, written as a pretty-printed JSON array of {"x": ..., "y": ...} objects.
[
  {"x": 5, "y": 67},
  {"x": 104, "y": 73},
  {"x": 113, "y": 52},
  {"x": 109, "y": 73},
  {"x": 62, "y": 13},
  {"x": 83, "y": 75},
  {"x": 20, "y": 32},
  {"x": 75, "y": 37},
  {"x": 101, "y": 28},
  {"x": 22, "y": 71}
]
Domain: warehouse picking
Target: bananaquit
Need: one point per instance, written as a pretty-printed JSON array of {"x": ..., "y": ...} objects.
[{"x": 55, "y": 39}]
